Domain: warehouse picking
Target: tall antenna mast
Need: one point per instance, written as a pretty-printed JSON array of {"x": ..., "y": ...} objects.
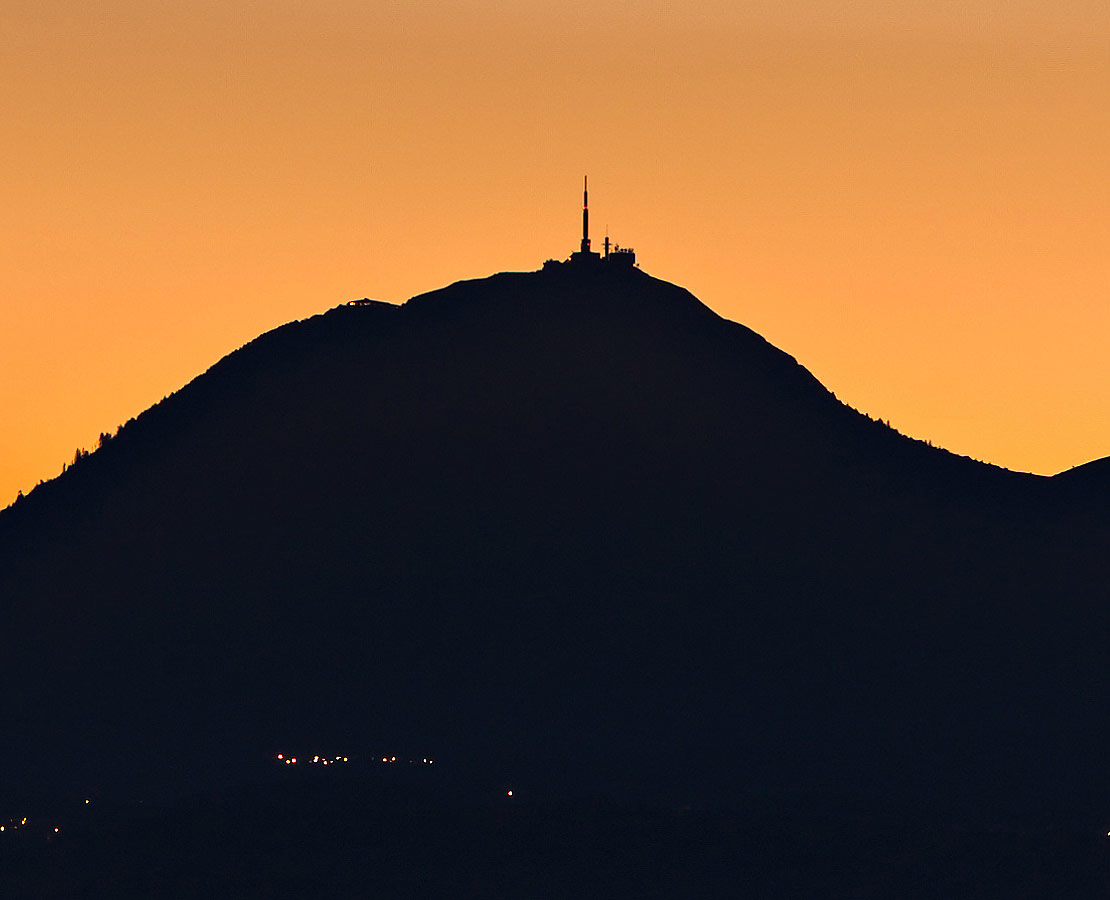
[{"x": 585, "y": 214}]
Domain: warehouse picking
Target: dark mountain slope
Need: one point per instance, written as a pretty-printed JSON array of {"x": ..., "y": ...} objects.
[{"x": 569, "y": 525}]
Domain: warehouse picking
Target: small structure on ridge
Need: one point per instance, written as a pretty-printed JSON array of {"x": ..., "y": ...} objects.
[{"x": 613, "y": 255}]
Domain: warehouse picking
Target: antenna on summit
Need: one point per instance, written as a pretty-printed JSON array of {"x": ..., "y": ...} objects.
[
  {"x": 585, "y": 214},
  {"x": 615, "y": 255}
]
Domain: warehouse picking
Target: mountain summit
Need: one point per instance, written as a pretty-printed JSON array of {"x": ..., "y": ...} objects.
[{"x": 567, "y": 524}]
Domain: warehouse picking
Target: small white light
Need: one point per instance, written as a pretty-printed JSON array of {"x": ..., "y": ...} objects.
[{"x": 509, "y": 793}]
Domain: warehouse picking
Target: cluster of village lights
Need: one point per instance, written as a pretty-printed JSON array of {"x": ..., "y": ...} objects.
[
  {"x": 21, "y": 823},
  {"x": 331, "y": 761},
  {"x": 315, "y": 761},
  {"x": 14, "y": 825}
]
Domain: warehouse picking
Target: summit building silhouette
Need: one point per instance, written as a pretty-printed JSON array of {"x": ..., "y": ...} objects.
[{"x": 613, "y": 254}]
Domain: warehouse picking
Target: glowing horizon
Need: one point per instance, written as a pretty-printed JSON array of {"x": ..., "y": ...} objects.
[{"x": 911, "y": 202}]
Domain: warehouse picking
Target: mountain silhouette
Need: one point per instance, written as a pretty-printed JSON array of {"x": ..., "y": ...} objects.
[{"x": 569, "y": 527}]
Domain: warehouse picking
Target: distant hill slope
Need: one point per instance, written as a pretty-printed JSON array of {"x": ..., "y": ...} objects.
[{"x": 568, "y": 524}]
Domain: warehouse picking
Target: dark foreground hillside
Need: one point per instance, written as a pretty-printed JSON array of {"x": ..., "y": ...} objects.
[
  {"x": 367, "y": 836},
  {"x": 569, "y": 528}
]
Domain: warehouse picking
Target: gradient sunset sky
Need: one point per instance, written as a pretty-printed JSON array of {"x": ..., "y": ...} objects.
[{"x": 913, "y": 199}]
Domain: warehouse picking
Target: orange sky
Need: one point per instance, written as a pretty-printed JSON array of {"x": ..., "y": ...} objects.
[{"x": 911, "y": 201}]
